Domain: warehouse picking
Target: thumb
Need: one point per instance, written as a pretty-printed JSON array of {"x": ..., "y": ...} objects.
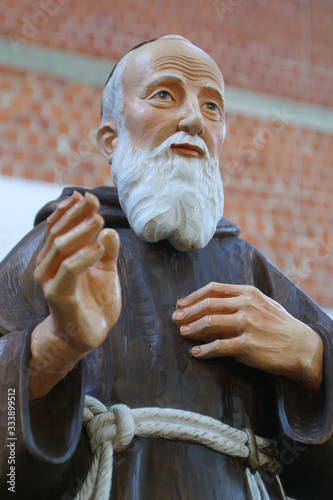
[{"x": 109, "y": 239}]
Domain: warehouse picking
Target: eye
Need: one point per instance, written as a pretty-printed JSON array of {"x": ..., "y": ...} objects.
[
  {"x": 213, "y": 110},
  {"x": 164, "y": 95},
  {"x": 212, "y": 106}
]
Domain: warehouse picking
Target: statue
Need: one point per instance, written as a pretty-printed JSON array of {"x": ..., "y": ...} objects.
[{"x": 207, "y": 324}]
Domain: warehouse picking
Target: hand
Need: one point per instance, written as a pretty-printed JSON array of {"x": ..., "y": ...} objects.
[
  {"x": 242, "y": 322},
  {"x": 77, "y": 271}
]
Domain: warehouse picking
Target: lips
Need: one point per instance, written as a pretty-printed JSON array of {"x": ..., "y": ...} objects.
[{"x": 188, "y": 150}]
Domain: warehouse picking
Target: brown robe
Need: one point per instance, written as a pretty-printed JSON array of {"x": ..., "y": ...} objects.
[{"x": 145, "y": 362}]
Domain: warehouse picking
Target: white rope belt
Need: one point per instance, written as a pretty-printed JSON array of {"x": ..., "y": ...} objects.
[{"x": 113, "y": 430}]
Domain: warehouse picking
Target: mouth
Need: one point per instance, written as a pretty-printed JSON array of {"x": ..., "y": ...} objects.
[{"x": 188, "y": 150}]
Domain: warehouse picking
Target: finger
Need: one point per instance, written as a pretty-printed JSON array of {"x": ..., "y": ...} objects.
[
  {"x": 66, "y": 245},
  {"x": 228, "y": 347},
  {"x": 209, "y": 306},
  {"x": 212, "y": 290},
  {"x": 74, "y": 214},
  {"x": 66, "y": 279},
  {"x": 110, "y": 240},
  {"x": 62, "y": 207},
  {"x": 87, "y": 205},
  {"x": 214, "y": 326}
]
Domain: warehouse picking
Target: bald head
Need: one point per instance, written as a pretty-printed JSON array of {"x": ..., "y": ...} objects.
[
  {"x": 169, "y": 54},
  {"x": 134, "y": 62}
]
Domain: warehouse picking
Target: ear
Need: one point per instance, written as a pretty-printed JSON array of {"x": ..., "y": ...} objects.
[{"x": 107, "y": 139}]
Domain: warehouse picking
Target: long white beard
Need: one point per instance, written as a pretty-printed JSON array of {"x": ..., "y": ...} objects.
[{"x": 167, "y": 196}]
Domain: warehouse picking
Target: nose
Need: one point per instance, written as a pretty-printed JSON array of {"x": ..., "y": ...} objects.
[{"x": 191, "y": 121}]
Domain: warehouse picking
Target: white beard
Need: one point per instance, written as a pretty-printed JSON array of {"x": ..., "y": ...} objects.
[{"x": 167, "y": 196}]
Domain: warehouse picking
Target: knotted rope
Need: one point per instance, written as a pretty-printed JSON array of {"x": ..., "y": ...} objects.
[{"x": 113, "y": 430}]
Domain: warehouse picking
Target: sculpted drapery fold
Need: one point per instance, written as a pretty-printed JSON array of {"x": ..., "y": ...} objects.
[{"x": 163, "y": 373}]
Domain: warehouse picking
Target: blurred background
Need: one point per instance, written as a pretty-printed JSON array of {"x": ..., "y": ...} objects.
[{"x": 276, "y": 58}]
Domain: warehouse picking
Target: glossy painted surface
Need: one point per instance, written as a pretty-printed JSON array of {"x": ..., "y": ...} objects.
[{"x": 146, "y": 362}]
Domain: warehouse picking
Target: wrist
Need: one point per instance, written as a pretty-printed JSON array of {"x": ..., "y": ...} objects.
[
  {"x": 52, "y": 358},
  {"x": 310, "y": 372}
]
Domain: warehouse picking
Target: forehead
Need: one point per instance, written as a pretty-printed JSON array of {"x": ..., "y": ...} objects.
[{"x": 170, "y": 56}]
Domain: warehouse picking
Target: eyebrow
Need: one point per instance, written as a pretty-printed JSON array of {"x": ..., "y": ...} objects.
[
  {"x": 173, "y": 77},
  {"x": 217, "y": 90},
  {"x": 164, "y": 78}
]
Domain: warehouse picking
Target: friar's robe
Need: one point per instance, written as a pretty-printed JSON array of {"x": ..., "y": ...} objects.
[{"x": 145, "y": 362}]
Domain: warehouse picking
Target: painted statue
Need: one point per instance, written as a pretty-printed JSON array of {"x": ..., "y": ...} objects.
[{"x": 144, "y": 295}]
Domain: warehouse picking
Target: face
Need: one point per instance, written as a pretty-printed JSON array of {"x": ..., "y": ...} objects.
[
  {"x": 171, "y": 86},
  {"x": 164, "y": 160}
]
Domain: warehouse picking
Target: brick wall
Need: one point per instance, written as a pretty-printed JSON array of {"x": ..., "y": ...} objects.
[
  {"x": 278, "y": 177},
  {"x": 282, "y": 48}
]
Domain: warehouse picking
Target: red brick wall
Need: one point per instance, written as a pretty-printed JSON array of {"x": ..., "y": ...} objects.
[
  {"x": 278, "y": 177},
  {"x": 48, "y": 127},
  {"x": 278, "y": 187},
  {"x": 281, "y": 48}
]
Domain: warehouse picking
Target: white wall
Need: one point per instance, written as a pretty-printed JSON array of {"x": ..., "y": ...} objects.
[{"x": 20, "y": 200}]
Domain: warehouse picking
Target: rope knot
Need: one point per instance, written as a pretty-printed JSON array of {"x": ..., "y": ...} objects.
[
  {"x": 115, "y": 425},
  {"x": 125, "y": 427},
  {"x": 113, "y": 429}
]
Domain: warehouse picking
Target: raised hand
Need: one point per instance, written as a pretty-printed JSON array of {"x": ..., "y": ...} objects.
[
  {"x": 77, "y": 271},
  {"x": 242, "y": 322}
]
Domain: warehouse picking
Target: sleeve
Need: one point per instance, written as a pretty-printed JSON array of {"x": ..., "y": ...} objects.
[
  {"x": 305, "y": 417},
  {"x": 305, "y": 438},
  {"x": 37, "y": 439}
]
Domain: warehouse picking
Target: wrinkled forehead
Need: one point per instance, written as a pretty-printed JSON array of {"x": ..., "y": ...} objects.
[{"x": 170, "y": 56}]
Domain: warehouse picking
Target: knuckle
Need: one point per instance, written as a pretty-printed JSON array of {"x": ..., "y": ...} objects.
[
  {"x": 38, "y": 277},
  {"x": 243, "y": 344},
  {"x": 219, "y": 345},
  {"x": 255, "y": 292},
  {"x": 52, "y": 296},
  {"x": 49, "y": 225},
  {"x": 49, "y": 292},
  {"x": 210, "y": 322},
  {"x": 241, "y": 318},
  {"x": 58, "y": 246},
  {"x": 207, "y": 305},
  {"x": 248, "y": 300},
  {"x": 248, "y": 344},
  {"x": 247, "y": 321},
  {"x": 249, "y": 290},
  {"x": 66, "y": 267},
  {"x": 52, "y": 232}
]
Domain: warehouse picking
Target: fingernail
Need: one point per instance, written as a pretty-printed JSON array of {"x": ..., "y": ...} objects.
[
  {"x": 195, "y": 351},
  {"x": 182, "y": 302},
  {"x": 178, "y": 314},
  {"x": 185, "y": 330}
]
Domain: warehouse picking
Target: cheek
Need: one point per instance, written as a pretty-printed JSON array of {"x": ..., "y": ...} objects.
[
  {"x": 149, "y": 126},
  {"x": 218, "y": 139},
  {"x": 134, "y": 120}
]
